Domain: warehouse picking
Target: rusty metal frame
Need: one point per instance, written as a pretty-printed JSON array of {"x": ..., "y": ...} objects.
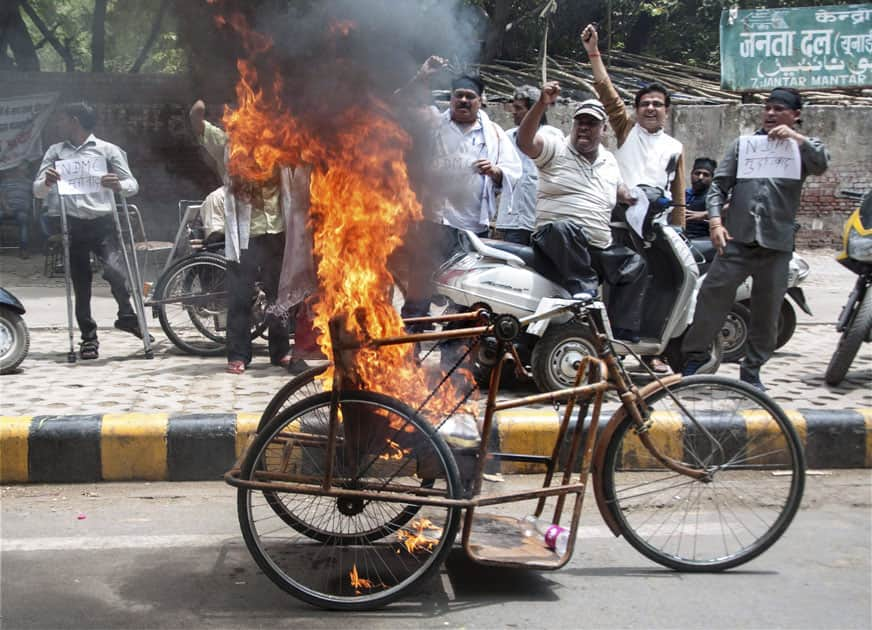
[{"x": 602, "y": 373}]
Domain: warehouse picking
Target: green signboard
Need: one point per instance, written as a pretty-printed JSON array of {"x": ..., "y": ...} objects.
[{"x": 809, "y": 48}]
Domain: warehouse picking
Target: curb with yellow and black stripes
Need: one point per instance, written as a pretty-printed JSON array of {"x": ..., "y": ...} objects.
[{"x": 196, "y": 447}]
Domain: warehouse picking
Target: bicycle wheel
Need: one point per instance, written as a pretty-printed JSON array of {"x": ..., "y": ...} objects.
[
  {"x": 756, "y": 476},
  {"x": 194, "y": 315},
  {"x": 353, "y": 552},
  {"x": 301, "y": 386}
]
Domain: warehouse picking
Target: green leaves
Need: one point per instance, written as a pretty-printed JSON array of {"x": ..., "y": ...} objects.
[{"x": 127, "y": 26}]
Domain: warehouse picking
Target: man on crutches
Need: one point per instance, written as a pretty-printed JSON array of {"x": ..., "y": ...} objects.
[{"x": 88, "y": 212}]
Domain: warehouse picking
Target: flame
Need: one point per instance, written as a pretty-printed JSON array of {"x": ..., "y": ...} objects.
[
  {"x": 357, "y": 582},
  {"x": 361, "y": 204},
  {"x": 396, "y": 453},
  {"x": 416, "y": 541}
]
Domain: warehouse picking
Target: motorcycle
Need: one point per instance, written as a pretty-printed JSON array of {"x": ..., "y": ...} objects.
[
  {"x": 738, "y": 322},
  {"x": 14, "y": 336},
  {"x": 503, "y": 277},
  {"x": 855, "y": 320}
]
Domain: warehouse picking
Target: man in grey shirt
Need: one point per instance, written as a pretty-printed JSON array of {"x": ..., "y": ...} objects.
[
  {"x": 90, "y": 219},
  {"x": 516, "y": 221},
  {"x": 755, "y": 239}
]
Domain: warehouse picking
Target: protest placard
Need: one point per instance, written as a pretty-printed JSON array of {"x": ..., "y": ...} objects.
[
  {"x": 80, "y": 176},
  {"x": 761, "y": 156}
]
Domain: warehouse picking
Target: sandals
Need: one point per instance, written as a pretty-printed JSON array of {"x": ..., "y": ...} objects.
[
  {"x": 656, "y": 365},
  {"x": 235, "y": 367},
  {"x": 89, "y": 349}
]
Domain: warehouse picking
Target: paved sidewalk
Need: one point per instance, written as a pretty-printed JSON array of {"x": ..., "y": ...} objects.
[
  {"x": 121, "y": 381},
  {"x": 183, "y": 417}
]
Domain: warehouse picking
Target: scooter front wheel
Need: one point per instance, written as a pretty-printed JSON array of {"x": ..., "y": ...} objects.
[{"x": 14, "y": 340}]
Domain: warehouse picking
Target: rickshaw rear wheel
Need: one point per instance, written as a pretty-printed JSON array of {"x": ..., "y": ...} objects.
[{"x": 387, "y": 544}]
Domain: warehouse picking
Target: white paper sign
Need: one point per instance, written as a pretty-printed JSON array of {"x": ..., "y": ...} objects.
[
  {"x": 81, "y": 176},
  {"x": 636, "y": 213},
  {"x": 760, "y": 156}
]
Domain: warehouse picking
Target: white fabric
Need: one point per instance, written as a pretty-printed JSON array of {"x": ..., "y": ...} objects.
[
  {"x": 644, "y": 157},
  {"x": 571, "y": 187},
  {"x": 521, "y": 213},
  {"x": 469, "y": 199}
]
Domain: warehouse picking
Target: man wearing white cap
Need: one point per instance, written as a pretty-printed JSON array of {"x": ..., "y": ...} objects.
[{"x": 579, "y": 184}]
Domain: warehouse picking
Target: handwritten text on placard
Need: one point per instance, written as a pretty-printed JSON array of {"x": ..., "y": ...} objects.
[
  {"x": 80, "y": 176},
  {"x": 760, "y": 156}
]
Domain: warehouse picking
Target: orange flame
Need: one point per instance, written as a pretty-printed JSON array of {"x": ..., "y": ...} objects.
[
  {"x": 361, "y": 204},
  {"x": 417, "y": 541},
  {"x": 358, "y": 582}
]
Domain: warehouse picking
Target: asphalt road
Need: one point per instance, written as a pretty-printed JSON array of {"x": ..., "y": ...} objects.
[{"x": 171, "y": 556}]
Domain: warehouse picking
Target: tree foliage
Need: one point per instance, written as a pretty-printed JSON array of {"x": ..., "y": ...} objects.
[
  {"x": 100, "y": 35},
  {"x": 179, "y": 35}
]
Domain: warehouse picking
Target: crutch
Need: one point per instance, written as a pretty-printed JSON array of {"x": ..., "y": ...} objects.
[
  {"x": 134, "y": 278},
  {"x": 68, "y": 281}
]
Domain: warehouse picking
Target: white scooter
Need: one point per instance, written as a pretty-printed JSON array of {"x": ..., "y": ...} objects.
[{"x": 502, "y": 277}]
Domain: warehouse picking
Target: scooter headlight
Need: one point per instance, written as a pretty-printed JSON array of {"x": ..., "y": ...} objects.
[{"x": 859, "y": 246}]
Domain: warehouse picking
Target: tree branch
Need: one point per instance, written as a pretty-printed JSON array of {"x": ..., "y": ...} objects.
[
  {"x": 98, "y": 36},
  {"x": 63, "y": 51},
  {"x": 152, "y": 37}
]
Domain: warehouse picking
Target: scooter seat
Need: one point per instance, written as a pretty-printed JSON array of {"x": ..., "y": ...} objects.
[{"x": 524, "y": 252}]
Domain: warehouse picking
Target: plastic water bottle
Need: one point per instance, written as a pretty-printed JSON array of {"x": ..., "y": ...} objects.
[{"x": 556, "y": 537}]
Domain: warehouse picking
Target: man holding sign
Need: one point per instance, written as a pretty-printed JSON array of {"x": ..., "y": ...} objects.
[
  {"x": 762, "y": 175},
  {"x": 88, "y": 172}
]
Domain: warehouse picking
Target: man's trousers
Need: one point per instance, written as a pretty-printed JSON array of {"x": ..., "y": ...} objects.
[
  {"x": 100, "y": 237},
  {"x": 769, "y": 270}
]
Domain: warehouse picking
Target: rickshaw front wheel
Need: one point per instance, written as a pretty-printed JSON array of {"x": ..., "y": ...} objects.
[{"x": 363, "y": 549}]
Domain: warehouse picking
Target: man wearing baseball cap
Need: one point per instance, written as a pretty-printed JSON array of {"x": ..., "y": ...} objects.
[
  {"x": 755, "y": 239},
  {"x": 579, "y": 184}
]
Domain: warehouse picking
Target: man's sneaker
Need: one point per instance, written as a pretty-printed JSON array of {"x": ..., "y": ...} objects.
[
  {"x": 692, "y": 367},
  {"x": 132, "y": 327},
  {"x": 752, "y": 378}
]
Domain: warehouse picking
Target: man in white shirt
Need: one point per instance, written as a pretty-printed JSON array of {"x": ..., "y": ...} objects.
[
  {"x": 90, "y": 219},
  {"x": 579, "y": 184},
  {"x": 473, "y": 169},
  {"x": 646, "y": 153},
  {"x": 473, "y": 160}
]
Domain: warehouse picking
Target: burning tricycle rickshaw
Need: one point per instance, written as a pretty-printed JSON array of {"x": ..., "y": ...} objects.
[{"x": 348, "y": 498}]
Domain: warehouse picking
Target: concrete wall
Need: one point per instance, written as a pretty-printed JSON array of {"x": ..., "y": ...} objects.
[{"x": 147, "y": 116}]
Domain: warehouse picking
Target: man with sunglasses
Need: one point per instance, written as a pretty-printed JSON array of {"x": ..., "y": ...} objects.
[{"x": 646, "y": 154}]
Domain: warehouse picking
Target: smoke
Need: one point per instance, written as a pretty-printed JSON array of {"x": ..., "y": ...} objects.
[{"x": 334, "y": 55}]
